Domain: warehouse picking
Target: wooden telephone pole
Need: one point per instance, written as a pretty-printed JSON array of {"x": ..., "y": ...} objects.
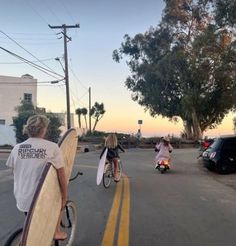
[{"x": 66, "y": 39}]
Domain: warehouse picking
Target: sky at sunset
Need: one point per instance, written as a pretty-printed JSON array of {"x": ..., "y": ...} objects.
[{"x": 24, "y": 30}]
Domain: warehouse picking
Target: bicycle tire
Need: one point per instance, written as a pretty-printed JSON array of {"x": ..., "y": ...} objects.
[
  {"x": 106, "y": 179},
  {"x": 69, "y": 223},
  {"x": 15, "y": 238},
  {"x": 119, "y": 170}
]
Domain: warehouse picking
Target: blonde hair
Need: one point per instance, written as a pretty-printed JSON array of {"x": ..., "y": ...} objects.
[
  {"x": 35, "y": 124},
  {"x": 111, "y": 141}
]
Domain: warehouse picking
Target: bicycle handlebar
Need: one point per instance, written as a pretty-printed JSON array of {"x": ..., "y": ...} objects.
[{"x": 77, "y": 174}]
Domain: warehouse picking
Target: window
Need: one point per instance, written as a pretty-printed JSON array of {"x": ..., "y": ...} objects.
[
  {"x": 2, "y": 122},
  {"x": 27, "y": 97}
]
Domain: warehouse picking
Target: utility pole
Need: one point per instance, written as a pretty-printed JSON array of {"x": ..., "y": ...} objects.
[
  {"x": 66, "y": 39},
  {"x": 89, "y": 109}
]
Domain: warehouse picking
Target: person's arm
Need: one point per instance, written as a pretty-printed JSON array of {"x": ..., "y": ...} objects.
[
  {"x": 63, "y": 184},
  {"x": 170, "y": 148},
  {"x": 157, "y": 147},
  {"x": 10, "y": 162},
  {"x": 121, "y": 148},
  {"x": 102, "y": 152}
]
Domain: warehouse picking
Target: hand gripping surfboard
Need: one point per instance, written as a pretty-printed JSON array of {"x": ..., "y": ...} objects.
[{"x": 44, "y": 212}]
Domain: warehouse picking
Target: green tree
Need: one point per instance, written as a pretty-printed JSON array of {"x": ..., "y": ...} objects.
[
  {"x": 24, "y": 111},
  {"x": 183, "y": 67},
  {"x": 84, "y": 112},
  {"x": 53, "y": 132},
  {"x": 78, "y": 111},
  {"x": 97, "y": 112},
  {"x": 234, "y": 125}
]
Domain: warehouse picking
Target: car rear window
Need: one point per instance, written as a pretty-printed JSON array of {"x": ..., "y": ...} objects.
[
  {"x": 229, "y": 143},
  {"x": 216, "y": 144}
]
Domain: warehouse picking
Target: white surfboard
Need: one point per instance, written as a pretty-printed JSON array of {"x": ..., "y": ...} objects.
[{"x": 101, "y": 166}]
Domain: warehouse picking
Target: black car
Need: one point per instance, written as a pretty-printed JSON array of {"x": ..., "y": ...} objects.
[{"x": 221, "y": 155}]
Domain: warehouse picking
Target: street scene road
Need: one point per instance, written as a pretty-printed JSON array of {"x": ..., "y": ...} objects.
[{"x": 187, "y": 205}]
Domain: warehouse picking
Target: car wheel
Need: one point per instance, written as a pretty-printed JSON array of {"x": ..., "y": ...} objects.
[{"x": 223, "y": 168}]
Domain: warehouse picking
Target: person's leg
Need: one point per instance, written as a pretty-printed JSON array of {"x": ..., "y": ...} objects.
[
  {"x": 59, "y": 235},
  {"x": 115, "y": 162}
]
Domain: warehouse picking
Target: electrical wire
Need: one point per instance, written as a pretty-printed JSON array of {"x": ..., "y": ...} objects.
[
  {"x": 7, "y": 63},
  {"x": 76, "y": 77},
  {"x": 52, "y": 12},
  {"x": 67, "y": 10},
  {"x": 28, "y": 52},
  {"x": 42, "y": 69}
]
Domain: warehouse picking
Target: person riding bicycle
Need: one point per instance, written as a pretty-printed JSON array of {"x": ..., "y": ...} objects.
[
  {"x": 164, "y": 149},
  {"x": 113, "y": 147},
  {"x": 28, "y": 159}
]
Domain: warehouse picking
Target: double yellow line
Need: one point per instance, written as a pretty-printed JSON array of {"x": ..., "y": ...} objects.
[{"x": 119, "y": 213}]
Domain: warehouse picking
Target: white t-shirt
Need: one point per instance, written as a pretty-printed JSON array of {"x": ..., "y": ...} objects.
[{"x": 28, "y": 160}]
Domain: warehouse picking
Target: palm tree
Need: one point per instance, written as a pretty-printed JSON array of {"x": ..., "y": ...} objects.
[
  {"x": 97, "y": 112},
  {"x": 84, "y": 112},
  {"x": 78, "y": 111}
]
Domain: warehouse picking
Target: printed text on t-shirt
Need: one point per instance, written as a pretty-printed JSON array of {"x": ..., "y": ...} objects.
[{"x": 27, "y": 152}]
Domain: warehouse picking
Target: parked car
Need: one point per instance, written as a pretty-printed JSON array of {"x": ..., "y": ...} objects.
[
  {"x": 221, "y": 155},
  {"x": 204, "y": 144}
]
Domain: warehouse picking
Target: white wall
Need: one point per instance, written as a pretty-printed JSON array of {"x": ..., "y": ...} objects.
[
  {"x": 12, "y": 91},
  {"x": 7, "y": 135}
]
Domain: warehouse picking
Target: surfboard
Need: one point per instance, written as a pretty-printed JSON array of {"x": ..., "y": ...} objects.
[
  {"x": 101, "y": 166},
  {"x": 44, "y": 212}
]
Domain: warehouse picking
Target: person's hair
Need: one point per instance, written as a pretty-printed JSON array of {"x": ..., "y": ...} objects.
[
  {"x": 111, "y": 141},
  {"x": 35, "y": 124}
]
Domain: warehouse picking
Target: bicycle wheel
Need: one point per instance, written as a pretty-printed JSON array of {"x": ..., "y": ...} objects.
[
  {"x": 69, "y": 223},
  {"x": 107, "y": 176},
  {"x": 15, "y": 238},
  {"x": 119, "y": 170}
]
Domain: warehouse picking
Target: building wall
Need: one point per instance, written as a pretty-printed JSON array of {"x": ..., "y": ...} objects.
[
  {"x": 7, "y": 135},
  {"x": 12, "y": 90}
]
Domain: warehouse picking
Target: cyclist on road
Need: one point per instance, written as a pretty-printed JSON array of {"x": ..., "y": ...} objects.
[
  {"x": 28, "y": 159},
  {"x": 113, "y": 147}
]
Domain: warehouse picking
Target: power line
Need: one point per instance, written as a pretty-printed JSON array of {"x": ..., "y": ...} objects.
[
  {"x": 67, "y": 10},
  {"x": 7, "y": 63},
  {"x": 86, "y": 88},
  {"x": 26, "y": 50},
  {"x": 42, "y": 69},
  {"x": 31, "y": 83},
  {"x": 52, "y": 12}
]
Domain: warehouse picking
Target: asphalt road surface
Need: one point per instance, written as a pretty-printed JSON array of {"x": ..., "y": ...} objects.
[{"x": 186, "y": 206}]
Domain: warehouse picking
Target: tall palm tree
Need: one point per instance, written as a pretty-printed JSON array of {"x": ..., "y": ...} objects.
[
  {"x": 84, "y": 112},
  {"x": 97, "y": 112},
  {"x": 78, "y": 111}
]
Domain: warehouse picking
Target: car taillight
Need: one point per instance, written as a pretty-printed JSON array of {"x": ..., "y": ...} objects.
[{"x": 212, "y": 155}]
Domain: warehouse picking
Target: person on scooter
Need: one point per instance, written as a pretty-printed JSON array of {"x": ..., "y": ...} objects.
[{"x": 164, "y": 149}]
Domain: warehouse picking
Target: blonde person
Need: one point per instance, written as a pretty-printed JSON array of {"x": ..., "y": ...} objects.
[
  {"x": 27, "y": 159},
  {"x": 113, "y": 147}
]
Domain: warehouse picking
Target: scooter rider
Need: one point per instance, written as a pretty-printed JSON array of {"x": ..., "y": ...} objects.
[{"x": 164, "y": 149}]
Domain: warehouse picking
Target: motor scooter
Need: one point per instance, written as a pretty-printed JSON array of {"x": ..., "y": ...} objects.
[{"x": 163, "y": 165}]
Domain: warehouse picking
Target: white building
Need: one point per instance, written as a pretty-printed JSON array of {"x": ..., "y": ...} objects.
[{"x": 12, "y": 91}]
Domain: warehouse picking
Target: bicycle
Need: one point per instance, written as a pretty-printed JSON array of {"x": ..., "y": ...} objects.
[
  {"x": 68, "y": 222},
  {"x": 108, "y": 174}
]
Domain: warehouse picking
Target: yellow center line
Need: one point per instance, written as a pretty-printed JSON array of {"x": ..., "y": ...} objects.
[
  {"x": 86, "y": 166},
  {"x": 109, "y": 233},
  {"x": 123, "y": 236}
]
